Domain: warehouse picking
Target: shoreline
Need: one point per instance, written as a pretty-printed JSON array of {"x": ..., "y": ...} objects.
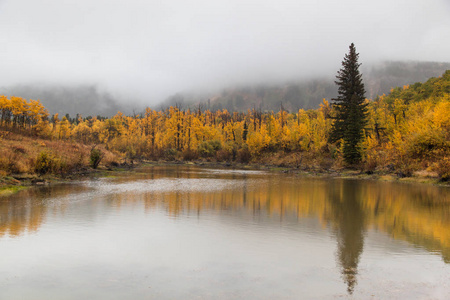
[
  {"x": 420, "y": 177},
  {"x": 16, "y": 182}
]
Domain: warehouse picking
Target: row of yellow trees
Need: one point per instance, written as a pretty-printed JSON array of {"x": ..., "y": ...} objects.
[
  {"x": 401, "y": 135},
  {"x": 17, "y": 113},
  {"x": 166, "y": 133}
]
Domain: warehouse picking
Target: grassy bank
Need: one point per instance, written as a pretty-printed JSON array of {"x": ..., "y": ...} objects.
[
  {"x": 29, "y": 160},
  {"x": 21, "y": 163}
]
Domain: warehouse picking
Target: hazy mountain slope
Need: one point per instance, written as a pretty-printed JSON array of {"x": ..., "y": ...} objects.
[
  {"x": 433, "y": 88},
  {"x": 86, "y": 100},
  {"x": 379, "y": 79}
]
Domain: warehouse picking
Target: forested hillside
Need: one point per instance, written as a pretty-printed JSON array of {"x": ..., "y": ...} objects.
[{"x": 381, "y": 78}]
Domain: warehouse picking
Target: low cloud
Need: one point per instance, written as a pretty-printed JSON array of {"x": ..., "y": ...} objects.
[{"x": 148, "y": 50}]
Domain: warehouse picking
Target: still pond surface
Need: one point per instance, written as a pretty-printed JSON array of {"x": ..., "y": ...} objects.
[{"x": 182, "y": 232}]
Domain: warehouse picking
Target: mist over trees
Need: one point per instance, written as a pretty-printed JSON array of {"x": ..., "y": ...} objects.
[
  {"x": 86, "y": 100},
  {"x": 91, "y": 100},
  {"x": 379, "y": 79}
]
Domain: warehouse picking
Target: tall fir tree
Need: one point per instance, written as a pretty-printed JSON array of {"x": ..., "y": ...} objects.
[{"x": 351, "y": 111}]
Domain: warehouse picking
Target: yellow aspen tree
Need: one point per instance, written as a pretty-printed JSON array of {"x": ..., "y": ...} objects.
[
  {"x": 18, "y": 110},
  {"x": 55, "y": 126},
  {"x": 64, "y": 129},
  {"x": 5, "y": 111},
  {"x": 82, "y": 132}
]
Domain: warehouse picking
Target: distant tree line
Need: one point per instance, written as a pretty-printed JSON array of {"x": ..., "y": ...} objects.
[{"x": 402, "y": 132}]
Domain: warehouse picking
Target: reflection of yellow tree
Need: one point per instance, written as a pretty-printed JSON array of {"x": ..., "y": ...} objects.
[
  {"x": 26, "y": 211},
  {"x": 417, "y": 214},
  {"x": 17, "y": 216}
]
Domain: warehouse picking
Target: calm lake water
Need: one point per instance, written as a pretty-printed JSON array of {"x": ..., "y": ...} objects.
[{"x": 178, "y": 232}]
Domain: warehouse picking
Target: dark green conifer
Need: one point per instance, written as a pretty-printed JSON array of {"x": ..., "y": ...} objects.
[{"x": 351, "y": 111}]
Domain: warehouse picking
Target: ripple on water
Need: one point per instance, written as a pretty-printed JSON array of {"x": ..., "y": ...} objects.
[
  {"x": 173, "y": 185},
  {"x": 241, "y": 172}
]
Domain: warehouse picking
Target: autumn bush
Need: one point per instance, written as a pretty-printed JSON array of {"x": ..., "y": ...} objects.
[
  {"x": 209, "y": 148},
  {"x": 12, "y": 163},
  {"x": 44, "y": 163},
  {"x": 170, "y": 154},
  {"x": 95, "y": 157},
  {"x": 442, "y": 167},
  {"x": 223, "y": 155},
  {"x": 3, "y": 163},
  {"x": 422, "y": 144},
  {"x": 244, "y": 155},
  {"x": 50, "y": 163},
  {"x": 189, "y": 154}
]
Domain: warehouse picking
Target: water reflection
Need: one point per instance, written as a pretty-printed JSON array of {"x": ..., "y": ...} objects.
[
  {"x": 348, "y": 219},
  {"x": 418, "y": 214},
  {"x": 27, "y": 210}
]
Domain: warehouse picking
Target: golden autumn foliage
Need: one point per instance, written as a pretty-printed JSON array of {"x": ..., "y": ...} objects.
[{"x": 406, "y": 132}]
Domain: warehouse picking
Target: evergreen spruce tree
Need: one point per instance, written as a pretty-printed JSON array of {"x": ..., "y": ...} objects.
[{"x": 351, "y": 111}]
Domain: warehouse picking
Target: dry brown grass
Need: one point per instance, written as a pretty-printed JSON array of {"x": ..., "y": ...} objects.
[
  {"x": 18, "y": 154},
  {"x": 300, "y": 160},
  {"x": 442, "y": 168}
]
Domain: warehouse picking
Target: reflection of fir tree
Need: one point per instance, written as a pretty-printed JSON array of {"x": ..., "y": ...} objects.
[{"x": 348, "y": 217}]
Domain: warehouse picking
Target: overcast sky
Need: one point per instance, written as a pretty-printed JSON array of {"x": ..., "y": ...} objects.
[{"x": 151, "y": 49}]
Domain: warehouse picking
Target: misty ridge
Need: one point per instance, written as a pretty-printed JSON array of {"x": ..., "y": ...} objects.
[
  {"x": 309, "y": 93},
  {"x": 91, "y": 100},
  {"x": 97, "y": 57},
  {"x": 85, "y": 100}
]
